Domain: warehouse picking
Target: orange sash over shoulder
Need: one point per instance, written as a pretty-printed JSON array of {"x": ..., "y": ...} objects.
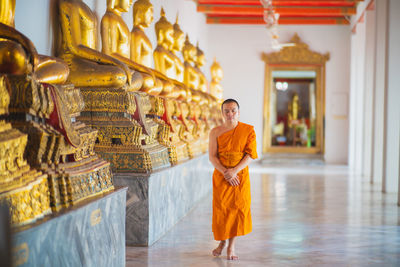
[{"x": 231, "y": 204}]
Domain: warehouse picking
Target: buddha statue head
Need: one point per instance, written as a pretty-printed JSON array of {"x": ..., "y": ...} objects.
[
  {"x": 216, "y": 72},
  {"x": 200, "y": 58},
  {"x": 7, "y": 12},
  {"x": 179, "y": 37},
  {"x": 164, "y": 31},
  {"x": 189, "y": 51},
  {"x": 143, "y": 12},
  {"x": 119, "y": 5}
]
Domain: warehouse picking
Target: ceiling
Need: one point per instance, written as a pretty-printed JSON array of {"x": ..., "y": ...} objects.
[{"x": 292, "y": 12}]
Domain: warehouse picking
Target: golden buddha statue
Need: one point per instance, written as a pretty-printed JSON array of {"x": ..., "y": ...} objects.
[
  {"x": 216, "y": 76},
  {"x": 201, "y": 115},
  {"x": 116, "y": 42},
  {"x": 200, "y": 62},
  {"x": 293, "y": 110},
  {"x": 163, "y": 59},
  {"x": 181, "y": 89},
  {"x": 141, "y": 48},
  {"x": 179, "y": 42},
  {"x": 115, "y": 37},
  {"x": 190, "y": 76},
  {"x": 88, "y": 66},
  {"x": 19, "y": 56},
  {"x": 109, "y": 84}
]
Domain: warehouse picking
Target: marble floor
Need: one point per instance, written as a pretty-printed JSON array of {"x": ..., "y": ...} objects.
[{"x": 302, "y": 216}]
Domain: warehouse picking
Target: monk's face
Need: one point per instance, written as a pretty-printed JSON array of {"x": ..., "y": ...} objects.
[{"x": 230, "y": 111}]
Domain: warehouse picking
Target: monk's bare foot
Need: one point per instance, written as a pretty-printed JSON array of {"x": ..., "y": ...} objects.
[
  {"x": 217, "y": 252},
  {"x": 231, "y": 254}
]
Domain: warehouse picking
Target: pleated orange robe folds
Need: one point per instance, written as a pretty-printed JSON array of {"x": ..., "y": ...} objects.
[{"x": 231, "y": 204}]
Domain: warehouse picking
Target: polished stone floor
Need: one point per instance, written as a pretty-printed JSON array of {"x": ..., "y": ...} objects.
[{"x": 302, "y": 216}]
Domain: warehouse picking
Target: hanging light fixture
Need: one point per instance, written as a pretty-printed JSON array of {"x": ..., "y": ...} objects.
[
  {"x": 271, "y": 22},
  {"x": 270, "y": 17}
]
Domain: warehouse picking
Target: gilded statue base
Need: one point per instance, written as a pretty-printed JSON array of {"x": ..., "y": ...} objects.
[
  {"x": 195, "y": 148},
  {"x": 182, "y": 151},
  {"x": 72, "y": 182},
  {"x": 126, "y": 136},
  {"x": 58, "y": 145},
  {"x": 143, "y": 159},
  {"x": 204, "y": 143},
  {"x": 24, "y": 190},
  {"x": 30, "y": 201}
]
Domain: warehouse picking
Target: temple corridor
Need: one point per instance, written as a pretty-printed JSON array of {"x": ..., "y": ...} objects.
[{"x": 302, "y": 216}]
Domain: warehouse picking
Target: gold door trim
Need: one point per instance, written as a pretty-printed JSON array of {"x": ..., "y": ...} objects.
[{"x": 297, "y": 57}]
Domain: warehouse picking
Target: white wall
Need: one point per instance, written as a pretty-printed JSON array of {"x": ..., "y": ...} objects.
[{"x": 239, "y": 49}]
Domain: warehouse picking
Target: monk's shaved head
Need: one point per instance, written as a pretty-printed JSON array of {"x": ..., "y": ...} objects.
[{"x": 229, "y": 100}]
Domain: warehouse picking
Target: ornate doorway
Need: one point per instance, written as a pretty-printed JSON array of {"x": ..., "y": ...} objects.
[{"x": 294, "y": 100}]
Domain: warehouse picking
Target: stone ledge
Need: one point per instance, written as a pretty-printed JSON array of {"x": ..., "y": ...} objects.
[
  {"x": 157, "y": 201},
  {"x": 91, "y": 233}
]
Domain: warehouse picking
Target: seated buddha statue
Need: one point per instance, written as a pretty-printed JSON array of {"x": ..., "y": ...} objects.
[
  {"x": 116, "y": 42},
  {"x": 216, "y": 76},
  {"x": 141, "y": 49},
  {"x": 165, "y": 62},
  {"x": 163, "y": 59},
  {"x": 293, "y": 110},
  {"x": 200, "y": 61},
  {"x": 190, "y": 76},
  {"x": 18, "y": 55},
  {"x": 179, "y": 42},
  {"x": 88, "y": 66}
]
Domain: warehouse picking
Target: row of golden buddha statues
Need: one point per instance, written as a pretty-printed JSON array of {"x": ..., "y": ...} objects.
[{"x": 68, "y": 122}]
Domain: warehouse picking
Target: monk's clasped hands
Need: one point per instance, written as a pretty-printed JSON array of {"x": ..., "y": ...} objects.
[{"x": 231, "y": 177}]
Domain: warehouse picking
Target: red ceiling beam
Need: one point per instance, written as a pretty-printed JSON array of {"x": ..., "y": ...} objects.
[
  {"x": 214, "y": 15},
  {"x": 282, "y": 21},
  {"x": 277, "y": 2},
  {"x": 254, "y": 10}
]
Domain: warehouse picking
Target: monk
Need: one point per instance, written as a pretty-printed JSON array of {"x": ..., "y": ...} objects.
[{"x": 232, "y": 147}]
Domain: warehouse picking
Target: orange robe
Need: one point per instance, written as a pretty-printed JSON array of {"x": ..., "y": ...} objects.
[{"x": 231, "y": 204}]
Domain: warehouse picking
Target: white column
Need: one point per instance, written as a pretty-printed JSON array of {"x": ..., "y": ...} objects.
[
  {"x": 359, "y": 97},
  {"x": 393, "y": 100},
  {"x": 379, "y": 152},
  {"x": 352, "y": 104},
  {"x": 369, "y": 84}
]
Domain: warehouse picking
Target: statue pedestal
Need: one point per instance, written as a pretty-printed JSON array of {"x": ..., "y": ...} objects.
[
  {"x": 91, "y": 233},
  {"x": 157, "y": 201}
]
